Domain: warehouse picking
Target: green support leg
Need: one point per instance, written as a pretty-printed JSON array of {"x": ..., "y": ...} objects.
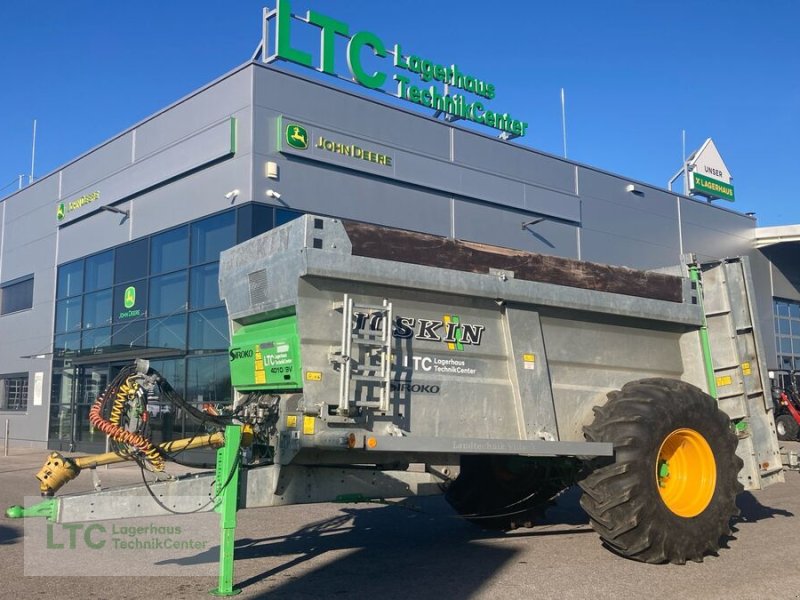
[
  {"x": 708, "y": 363},
  {"x": 227, "y": 490}
]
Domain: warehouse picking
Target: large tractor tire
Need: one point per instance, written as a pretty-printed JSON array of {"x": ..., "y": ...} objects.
[
  {"x": 501, "y": 493},
  {"x": 786, "y": 427},
  {"x": 670, "y": 492}
]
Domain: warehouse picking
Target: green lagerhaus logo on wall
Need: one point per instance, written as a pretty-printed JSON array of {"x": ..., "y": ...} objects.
[
  {"x": 61, "y": 212},
  {"x": 296, "y": 136}
]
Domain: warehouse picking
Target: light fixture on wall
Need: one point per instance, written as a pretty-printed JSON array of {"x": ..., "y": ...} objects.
[
  {"x": 232, "y": 195},
  {"x": 114, "y": 209},
  {"x": 273, "y": 194},
  {"x": 634, "y": 189},
  {"x": 526, "y": 224}
]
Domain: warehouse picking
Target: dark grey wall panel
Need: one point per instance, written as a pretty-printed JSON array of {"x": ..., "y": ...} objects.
[
  {"x": 30, "y": 200},
  {"x": 785, "y": 269},
  {"x": 712, "y": 232},
  {"x": 311, "y": 187},
  {"x": 614, "y": 249},
  {"x": 503, "y": 227},
  {"x": 32, "y": 257},
  {"x": 191, "y": 197},
  {"x": 612, "y": 188},
  {"x": 213, "y": 104},
  {"x": 108, "y": 158},
  {"x": 552, "y": 203},
  {"x": 508, "y": 158}
]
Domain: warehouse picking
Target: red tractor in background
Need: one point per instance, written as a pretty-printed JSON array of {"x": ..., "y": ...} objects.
[{"x": 786, "y": 395}]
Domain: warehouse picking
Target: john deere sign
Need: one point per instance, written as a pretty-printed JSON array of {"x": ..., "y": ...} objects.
[
  {"x": 65, "y": 208},
  {"x": 443, "y": 87},
  {"x": 316, "y": 143}
]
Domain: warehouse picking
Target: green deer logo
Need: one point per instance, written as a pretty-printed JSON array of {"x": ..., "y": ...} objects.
[
  {"x": 130, "y": 297},
  {"x": 297, "y": 136}
]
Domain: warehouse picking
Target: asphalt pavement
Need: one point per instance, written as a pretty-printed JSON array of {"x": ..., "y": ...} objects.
[{"x": 423, "y": 551}]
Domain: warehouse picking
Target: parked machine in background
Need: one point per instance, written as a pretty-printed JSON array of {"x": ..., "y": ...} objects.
[
  {"x": 786, "y": 396},
  {"x": 502, "y": 376}
]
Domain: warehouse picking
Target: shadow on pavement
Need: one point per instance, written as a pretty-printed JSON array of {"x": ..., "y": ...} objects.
[
  {"x": 393, "y": 551},
  {"x": 9, "y": 535},
  {"x": 753, "y": 510}
]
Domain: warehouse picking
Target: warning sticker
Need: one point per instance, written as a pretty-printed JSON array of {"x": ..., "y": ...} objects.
[
  {"x": 746, "y": 368},
  {"x": 529, "y": 361},
  {"x": 724, "y": 380}
]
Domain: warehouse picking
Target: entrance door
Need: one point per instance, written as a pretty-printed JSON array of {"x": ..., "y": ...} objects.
[{"x": 75, "y": 390}]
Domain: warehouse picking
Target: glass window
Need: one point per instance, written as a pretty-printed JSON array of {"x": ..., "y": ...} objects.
[
  {"x": 67, "y": 342},
  {"x": 794, "y": 310},
  {"x": 783, "y": 326},
  {"x": 253, "y": 219},
  {"x": 208, "y": 330},
  {"x": 99, "y": 271},
  {"x": 785, "y": 345},
  {"x": 70, "y": 279},
  {"x": 129, "y": 334},
  {"x": 169, "y": 251},
  {"x": 213, "y": 235},
  {"x": 208, "y": 379},
  {"x": 205, "y": 286},
  {"x": 167, "y": 294},
  {"x": 96, "y": 338},
  {"x": 169, "y": 332},
  {"x": 14, "y": 392},
  {"x": 68, "y": 315},
  {"x": 97, "y": 309},
  {"x": 130, "y": 301},
  {"x": 17, "y": 296},
  {"x": 283, "y": 215},
  {"x": 130, "y": 261},
  {"x": 173, "y": 370}
]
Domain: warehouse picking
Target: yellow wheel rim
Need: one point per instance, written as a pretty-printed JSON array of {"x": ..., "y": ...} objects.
[{"x": 686, "y": 472}]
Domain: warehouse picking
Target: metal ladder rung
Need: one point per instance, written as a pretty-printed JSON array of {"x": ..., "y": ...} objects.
[{"x": 364, "y": 341}]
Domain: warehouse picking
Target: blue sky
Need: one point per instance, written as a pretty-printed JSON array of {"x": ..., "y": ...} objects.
[{"x": 636, "y": 73}]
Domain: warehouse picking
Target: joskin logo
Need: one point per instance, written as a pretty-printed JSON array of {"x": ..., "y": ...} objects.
[
  {"x": 450, "y": 330},
  {"x": 130, "y": 297},
  {"x": 61, "y": 212},
  {"x": 296, "y": 136}
]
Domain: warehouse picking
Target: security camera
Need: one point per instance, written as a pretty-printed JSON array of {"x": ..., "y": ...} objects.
[
  {"x": 273, "y": 194},
  {"x": 232, "y": 194}
]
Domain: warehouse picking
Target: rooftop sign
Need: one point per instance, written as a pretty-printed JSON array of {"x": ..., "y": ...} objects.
[
  {"x": 443, "y": 87},
  {"x": 709, "y": 175}
]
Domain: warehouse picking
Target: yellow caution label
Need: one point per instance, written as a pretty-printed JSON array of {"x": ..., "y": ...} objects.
[
  {"x": 308, "y": 425},
  {"x": 261, "y": 377},
  {"x": 724, "y": 380},
  {"x": 314, "y": 376},
  {"x": 746, "y": 368},
  {"x": 291, "y": 421},
  {"x": 529, "y": 361}
]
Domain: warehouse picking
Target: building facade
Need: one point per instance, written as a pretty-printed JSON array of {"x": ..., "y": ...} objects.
[{"x": 115, "y": 255}]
